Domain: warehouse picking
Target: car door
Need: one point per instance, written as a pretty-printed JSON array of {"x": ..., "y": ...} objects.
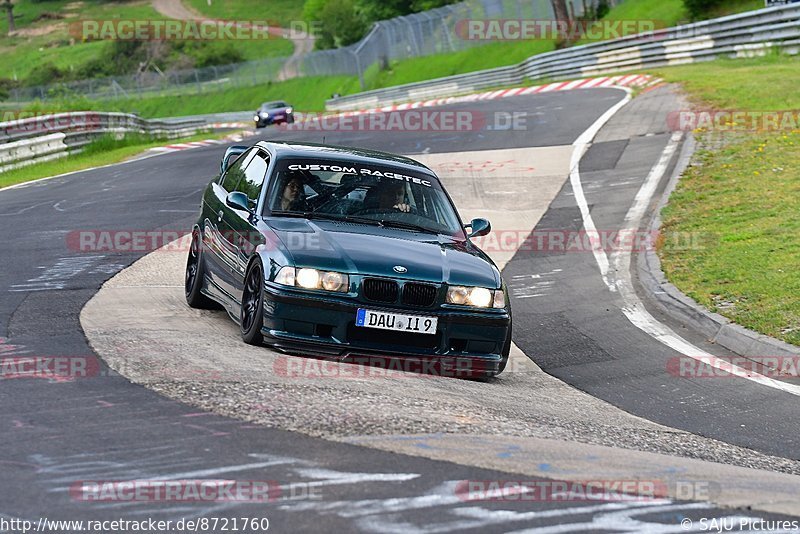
[
  {"x": 218, "y": 233},
  {"x": 243, "y": 224}
]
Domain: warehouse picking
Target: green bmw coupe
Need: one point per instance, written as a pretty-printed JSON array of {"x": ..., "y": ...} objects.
[{"x": 349, "y": 254}]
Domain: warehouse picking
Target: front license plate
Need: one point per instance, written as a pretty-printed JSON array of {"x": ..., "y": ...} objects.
[{"x": 400, "y": 322}]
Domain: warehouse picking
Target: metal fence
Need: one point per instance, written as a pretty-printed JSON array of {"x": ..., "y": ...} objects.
[
  {"x": 430, "y": 32},
  {"x": 420, "y": 34},
  {"x": 46, "y": 137}
]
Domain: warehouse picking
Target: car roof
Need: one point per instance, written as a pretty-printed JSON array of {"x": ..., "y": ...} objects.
[{"x": 288, "y": 149}]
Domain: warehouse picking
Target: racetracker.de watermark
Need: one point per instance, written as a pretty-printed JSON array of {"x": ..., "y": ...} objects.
[
  {"x": 411, "y": 120},
  {"x": 567, "y": 241},
  {"x": 499, "y": 240},
  {"x": 733, "y": 120},
  {"x": 378, "y": 367},
  {"x": 779, "y": 367},
  {"x": 553, "y": 30},
  {"x": 193, "y": 490},
  {"x": 561, "y": 490},
  {"x": 130, "y": 240},
  {"x": 190, "y": 30},
  {"x": 56, "y": 368}
]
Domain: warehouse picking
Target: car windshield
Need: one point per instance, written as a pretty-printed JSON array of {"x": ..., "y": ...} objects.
[
  {"x": 363, "y": 193},
  {"x": 273, "y": 105}
]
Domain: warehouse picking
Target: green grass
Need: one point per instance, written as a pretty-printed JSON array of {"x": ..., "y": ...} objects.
[
  {"x": 439, "y": 65},
  {"x": 664, "y": 12},
  {"x": 667, "y": 13},
  {"x": 764, "y": 83},
  {"x": 746, "y": 196},
  {"x": 306, "y": 94},
  {"x": 104, "y": 151},
  {"x": 276, "y": 12}
]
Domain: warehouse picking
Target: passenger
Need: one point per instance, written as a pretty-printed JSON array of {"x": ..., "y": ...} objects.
[{"x": 293, "y": 196}]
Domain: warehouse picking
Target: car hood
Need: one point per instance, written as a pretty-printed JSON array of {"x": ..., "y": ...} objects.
[{"x": 375, "y": 251}]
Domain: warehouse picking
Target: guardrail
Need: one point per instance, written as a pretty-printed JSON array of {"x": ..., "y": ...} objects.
[
  {"x": 741, "y": 35},
  {"x": 42, "y": 138}
]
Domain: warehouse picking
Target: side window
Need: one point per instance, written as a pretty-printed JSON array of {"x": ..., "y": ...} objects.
[
  {"x": 253, "y": 177},
  {"x": 235, "y": 172}
]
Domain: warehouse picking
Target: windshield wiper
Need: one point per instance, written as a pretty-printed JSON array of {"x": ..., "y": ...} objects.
[
  {"x": 287, "y": 213},
  {"x": 328, "y": 217},
  {"x": 407, "y": 226}
]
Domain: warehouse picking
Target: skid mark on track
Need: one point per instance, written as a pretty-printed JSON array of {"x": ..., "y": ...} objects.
[
  {"x": 525, "y": 286},
  {"x": 58, "y": 275},
  {"x": 80, "y": 474}
]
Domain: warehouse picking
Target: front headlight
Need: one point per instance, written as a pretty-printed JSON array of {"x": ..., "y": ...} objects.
[
  {"x": 313, "y": 279},
  {"x": 479, "y": 297},
  {"x": 499, "y": 299},
  {"x": 255, "y": 118},
  {"x": 289, "y": 110},
  {"x": 285, "y": 276},
  {"x": 332, "y": 281},
  {"x": 264, "y": 115}
]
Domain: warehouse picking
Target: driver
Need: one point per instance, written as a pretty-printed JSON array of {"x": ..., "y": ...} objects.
[
  {"x": 392, "y": 196},
  {"x": 293, "y": 196}
]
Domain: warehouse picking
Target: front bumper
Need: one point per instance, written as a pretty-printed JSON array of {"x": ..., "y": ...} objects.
[
  {"x": 466, "y": 342},
  {"x": 274, "y": 119}
]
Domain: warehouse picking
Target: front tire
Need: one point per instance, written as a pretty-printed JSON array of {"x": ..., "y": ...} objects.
[
  {"x": 252, "y": 313},
  {"x": 505, "y": 354},
  {"x": 195, "y": 276},
  {"x": 506, "y": 351}
]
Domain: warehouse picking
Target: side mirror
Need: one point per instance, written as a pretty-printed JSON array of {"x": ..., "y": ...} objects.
[
  {"x": 230, "y": 156},
  {"x": 238, "y": 201},
  {"x": 479, "y": 227}
]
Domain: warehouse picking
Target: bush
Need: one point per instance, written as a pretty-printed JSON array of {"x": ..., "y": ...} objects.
[
  {"x": 44, "y": 74},
  {"x": 346, "y": 21},
  {"x": 6, "y": 85},
  {"x": 341, "y": 22},
  {"x": 203, "y": 54},
  {"x": 698, "y": 8},
  {"x": 602, "y": 9}
]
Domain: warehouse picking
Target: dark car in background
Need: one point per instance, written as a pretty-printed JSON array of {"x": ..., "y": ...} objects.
[
  {"x": 346, "y": 253},
  {"x": 277, "y": 112}
]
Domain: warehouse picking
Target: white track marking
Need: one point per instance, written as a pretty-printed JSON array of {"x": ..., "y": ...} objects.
[
  {"x": 619, "y": 280},
  {"x": 580, "y": 146}
]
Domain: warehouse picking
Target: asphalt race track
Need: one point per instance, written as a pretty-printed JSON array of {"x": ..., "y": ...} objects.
[{"x": 56, "y": 434}]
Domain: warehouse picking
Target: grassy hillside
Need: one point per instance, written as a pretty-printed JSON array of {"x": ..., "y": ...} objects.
[
  {"x": 311, "y": 93},
  {"x": 43, "y": 36}
]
